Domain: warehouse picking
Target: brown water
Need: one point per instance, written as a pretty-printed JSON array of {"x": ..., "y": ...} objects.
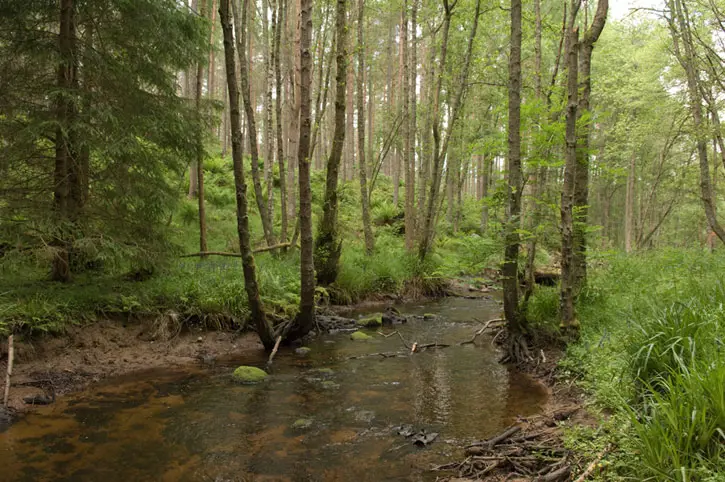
[{"x": 195, "y": 424}]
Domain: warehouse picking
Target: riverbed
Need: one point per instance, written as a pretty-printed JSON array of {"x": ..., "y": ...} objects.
[{"x": 338, "y": 413}]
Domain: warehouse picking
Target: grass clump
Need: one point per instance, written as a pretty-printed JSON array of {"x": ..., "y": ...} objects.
[{"x": 650, "y": 355}]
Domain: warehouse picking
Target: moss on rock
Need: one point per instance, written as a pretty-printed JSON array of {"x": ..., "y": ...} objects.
[
  {"x": 247, "y": 374},
  {"x": 359, "y": 336},
  {"x": 371, "y": 321}
]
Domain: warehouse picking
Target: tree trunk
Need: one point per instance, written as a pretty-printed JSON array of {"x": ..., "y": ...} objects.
[
  {"x": 581, "y": 175},
  {"x": 328, "y": 245},
  {"x": 66, "y": 176},
  {"x": 306, "y": 316},
  {"x": 200, "y": 149},
  {"x": 362, "y": 159},
  {"x": 440, "y": 146},
  {"x": 269, "y": 136},
  {"x": 516, "y": 322},
  {"x": 408, "y": 155},
  {"x": 241, "y": 30},
  {"x": 485, "y": 181},
  {"x": 258, "y": 315},
  {"x": 688, "y": 60},
  {"x": 568, "y": 320},
  {"x": 278, "y": 9},
  {"x": 629, "y": 205}
]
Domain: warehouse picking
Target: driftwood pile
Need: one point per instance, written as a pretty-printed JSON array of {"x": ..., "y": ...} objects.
[{"x": 530, "y": 450}]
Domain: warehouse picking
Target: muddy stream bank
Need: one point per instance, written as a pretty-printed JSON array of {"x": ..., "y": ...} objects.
[{"x": 333, "y": 414}]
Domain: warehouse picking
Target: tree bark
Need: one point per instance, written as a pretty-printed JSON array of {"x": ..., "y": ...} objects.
[
  {"x": 306, "y": 316},
  {"x": 629, "y": 205},
  {"x": 408, "y": 154},
  {"x": 440, "y": 146},
  {"x": 278, "y": 9},
  {"x": 65, "y": 170},
  {"x": 241, "y": 30},
  {"x": 516, "y": 322},
  {"x": 200, "y": 148},
  {"x": 362, "y": 159},
  {"x": 328, "y": 245},
  {"x": 568, "y": 320},
  {"x": 581, "y": 175},
  {"x": 256, "y": 308},
  {"x": 680, "y": 28},
  {"x": 269, "y": 136}
]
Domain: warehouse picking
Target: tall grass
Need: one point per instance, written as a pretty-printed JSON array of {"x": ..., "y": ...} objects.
[{"x": 651, "y": 356}]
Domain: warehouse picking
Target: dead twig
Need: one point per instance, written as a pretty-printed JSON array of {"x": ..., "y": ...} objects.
[
  {"x": 590, "y": 468},
  {"x": 480, "y": 332},
  {"x": 274, "y": 350},
  {"x": 512, "y": 430},
  {"x": 11, "y": 356}
]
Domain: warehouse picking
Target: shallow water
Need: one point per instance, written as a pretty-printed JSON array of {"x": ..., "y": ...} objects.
[{"x": 195, "y": 424}]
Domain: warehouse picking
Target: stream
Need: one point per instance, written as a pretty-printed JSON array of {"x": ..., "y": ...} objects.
[{"x": 321, "y": 417}]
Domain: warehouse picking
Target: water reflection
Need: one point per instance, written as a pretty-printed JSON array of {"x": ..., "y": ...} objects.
[{"x": 193, "y": 425}]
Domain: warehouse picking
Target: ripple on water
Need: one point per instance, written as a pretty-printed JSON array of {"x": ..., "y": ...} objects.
[{"x": 192, "y": 425}]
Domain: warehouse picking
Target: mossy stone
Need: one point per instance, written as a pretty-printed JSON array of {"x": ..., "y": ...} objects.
[
  {"x": 247, "y": 374},
  {"x": 303, "y": 351},
  {"x": 359, "y": 336},
  {"x": 330, "y": 385},
  {"x": 302, "y": 424},
  {"x": 371, "y": 321},
  {"x": 429, "y": 316}
]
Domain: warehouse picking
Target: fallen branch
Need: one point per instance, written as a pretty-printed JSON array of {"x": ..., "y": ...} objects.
[
  {"x": 235, "y": 255},
  {"x": 480, "y": 332},
  {"x": 561, "y": 473},
  {"x": 509, "y": 432},
  {"x": 590, "y": 468},
  {"x": 388, "y": 335},
  {"x": 274, "y": 350},
  {"x": 11, "y": 355},
  {"x": 405, "y": 343}
]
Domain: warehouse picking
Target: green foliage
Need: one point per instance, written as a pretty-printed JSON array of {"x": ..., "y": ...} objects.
[{"x": 650, "y": 353}]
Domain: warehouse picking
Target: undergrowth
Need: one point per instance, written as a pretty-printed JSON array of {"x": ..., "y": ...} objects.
[{"x": 651, "y": 357}]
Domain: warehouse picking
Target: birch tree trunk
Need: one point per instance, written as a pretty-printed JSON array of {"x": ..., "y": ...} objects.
[
  {"x": 568, "y": 320},
  {"x": 258, "y": 315},
  {"x": 362, "y": 159},
  {"x": 328, "y": 245},
  {"x": 241, "y": 30}
]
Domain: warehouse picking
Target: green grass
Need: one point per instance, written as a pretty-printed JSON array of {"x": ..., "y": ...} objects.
[{"x": 651, "y": 358}]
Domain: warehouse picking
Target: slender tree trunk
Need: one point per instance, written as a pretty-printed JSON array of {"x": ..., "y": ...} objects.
[
  {"x": 408, "y": 154},
  {"x": 349, "y": 164},
  {"x": 328, "y": 245},
  {"x": 269, "y": 136},
  {"x": 568, "y": 320},
  {"x": 362, "y": 159},
  {"x": 306, "y": 316},
  {"x": 65, "y": 173},
  {"x": 581, "y": 182},
  {"x": 241, "y": 30},
  {"x": 200, "y": 149},
  {"x": 537, "y": 179},
  {"x": 516, "y": 322},
  {"x": 485, "y": 181},
  {"x": 258, "y": 315},
  {"x": 688, "y": 60},
  {"x": 629, "y": 205},
  {"x": 278, "y": 9},
  {"x": 440, "y": 146}
]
